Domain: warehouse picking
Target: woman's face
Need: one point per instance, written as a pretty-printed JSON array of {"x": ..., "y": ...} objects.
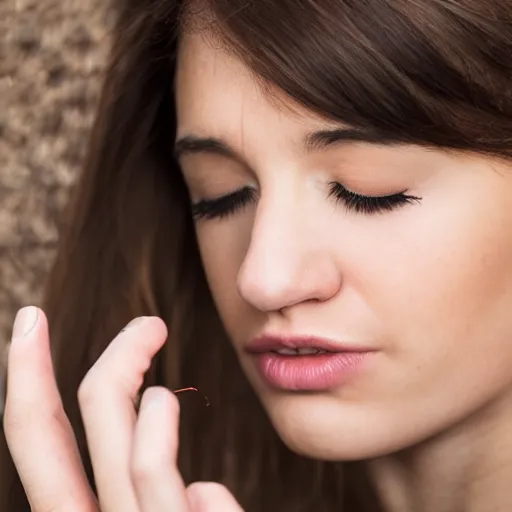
[{"x": 412, "y": 292}]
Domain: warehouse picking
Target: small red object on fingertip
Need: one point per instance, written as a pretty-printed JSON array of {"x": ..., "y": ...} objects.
[{"x": 176, "y": 391}]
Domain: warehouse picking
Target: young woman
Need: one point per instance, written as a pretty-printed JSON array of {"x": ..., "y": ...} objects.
[{"x": 306, "y": 205}]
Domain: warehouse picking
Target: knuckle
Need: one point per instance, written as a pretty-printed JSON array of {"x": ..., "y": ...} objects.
[
  {"x": 20, "y": 410},
  {"x": 88, "y": 389},
  {"x": 14, "y": 419},
  {"x": 147, "y": 466},
  {"x": 62, "y": 504},
  {"x": 22, "y": 417},
  {"x": 207, "y": 491}
]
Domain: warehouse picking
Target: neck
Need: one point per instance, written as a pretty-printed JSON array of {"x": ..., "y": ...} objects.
[{"x": 467, "y": 469}]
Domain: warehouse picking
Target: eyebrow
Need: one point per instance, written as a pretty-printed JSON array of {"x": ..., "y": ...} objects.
[{"x": 314, "y": 141}]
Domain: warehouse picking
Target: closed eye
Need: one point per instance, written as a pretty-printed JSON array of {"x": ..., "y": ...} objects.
[
  {"x": 233, "y": 202},
  {"x": 225, "y": 205},
  {"x": 369, "y": 204}
]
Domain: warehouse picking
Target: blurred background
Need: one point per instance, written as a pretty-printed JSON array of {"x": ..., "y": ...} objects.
[{"x": 52, "y": 56}]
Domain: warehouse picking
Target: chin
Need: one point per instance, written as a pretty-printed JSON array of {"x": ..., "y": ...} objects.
[{"x": 324, "y": 429}]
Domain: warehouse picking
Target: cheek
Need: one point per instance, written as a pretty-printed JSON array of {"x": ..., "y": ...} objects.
[
  {"x": 442, "y": 288},
  {"x": 223, "y": 246}
]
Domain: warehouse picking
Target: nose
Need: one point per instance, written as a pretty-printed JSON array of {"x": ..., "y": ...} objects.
[{"x": 289, "y": 261}]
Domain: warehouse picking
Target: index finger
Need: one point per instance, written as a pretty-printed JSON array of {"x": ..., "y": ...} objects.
[{"x": 107, "y": 397}]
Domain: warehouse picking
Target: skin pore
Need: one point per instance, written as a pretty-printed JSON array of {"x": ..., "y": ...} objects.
[{"x": 425, "y": 282}]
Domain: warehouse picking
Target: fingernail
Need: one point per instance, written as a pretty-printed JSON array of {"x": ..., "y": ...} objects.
[
  {"x": 25, "y": 321},
  {"x": 135, "y": 321}
]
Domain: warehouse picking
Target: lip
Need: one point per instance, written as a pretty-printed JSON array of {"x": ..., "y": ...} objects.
[
  {"x": 273, "y": 342},
  {"x": 337, "y": 363}
]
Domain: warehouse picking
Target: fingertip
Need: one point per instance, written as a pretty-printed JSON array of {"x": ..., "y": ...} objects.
[
  {"x": 154, "y": 328},
  {"x": 159, "y": 325},
  {"x": 158, "y": 395},
  {"x": 25, "y": 322},
  {"x": 30, "y": 337},
  {"x": 173, "y": 404},
  {"x": 156, "y": 335}
]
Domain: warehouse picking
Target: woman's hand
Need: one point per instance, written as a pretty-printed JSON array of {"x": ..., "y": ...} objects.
[{"x": 133, "y": 456}]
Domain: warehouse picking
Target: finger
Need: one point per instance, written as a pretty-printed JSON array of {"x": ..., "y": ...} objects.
[
  {"x": 37, "y": 430},
  {"x": 211, "y": 497},
  {"x": 107, "y": 397},
  {"x": 155, "y": 475}
]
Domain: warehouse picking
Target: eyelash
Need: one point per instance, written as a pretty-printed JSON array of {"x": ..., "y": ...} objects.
[
  {"x": 368, "y": 205},
  {"x": 223, "y": 206},
  {"x": 229, "y": 204}
]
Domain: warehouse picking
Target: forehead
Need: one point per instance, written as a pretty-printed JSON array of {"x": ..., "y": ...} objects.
[{"x": 218, "y": 94}]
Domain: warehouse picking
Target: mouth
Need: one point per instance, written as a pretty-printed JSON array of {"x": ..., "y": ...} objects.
[
  {"x": 299, "y": 345},
  {"x": 301, "y": 351},
  {"x": 306, "y": 363}
]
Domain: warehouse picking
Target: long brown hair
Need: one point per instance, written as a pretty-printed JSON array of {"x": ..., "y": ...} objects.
[{"x": 430, "y": 72}]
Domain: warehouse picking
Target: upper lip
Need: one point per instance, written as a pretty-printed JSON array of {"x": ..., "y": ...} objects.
[{"x": 274, "y": 342}]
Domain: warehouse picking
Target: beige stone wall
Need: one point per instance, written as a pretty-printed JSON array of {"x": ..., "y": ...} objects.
[{"x": 52, "y": 54}]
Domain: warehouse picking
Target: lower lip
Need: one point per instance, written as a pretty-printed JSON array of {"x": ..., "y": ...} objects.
[{"x": 310, "y": 373}]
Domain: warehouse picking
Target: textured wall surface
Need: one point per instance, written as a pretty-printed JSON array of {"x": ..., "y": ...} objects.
[{"x": 52, "y": 55}]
